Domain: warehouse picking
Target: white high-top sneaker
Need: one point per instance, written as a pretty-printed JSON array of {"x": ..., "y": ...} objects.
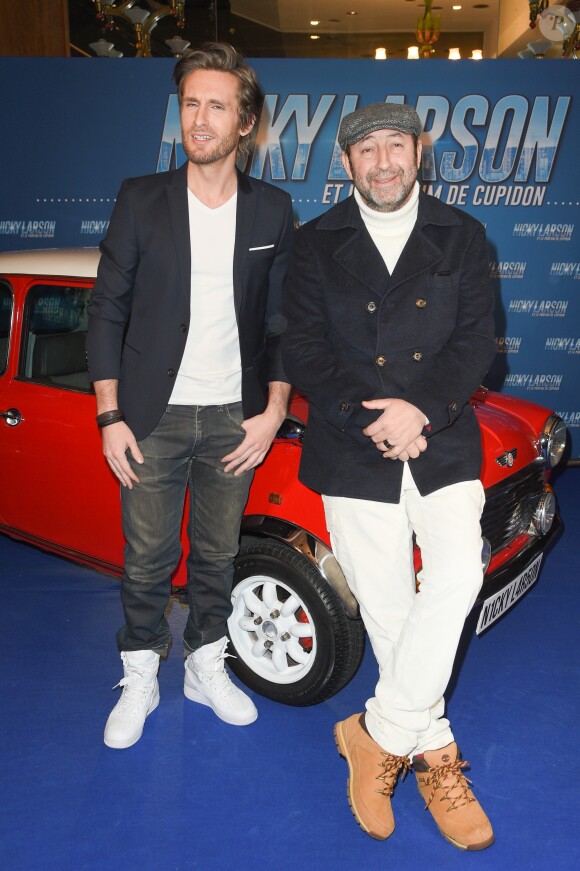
[
  {"x": 140, "y": 696},
  {"x": 207, "y": 682}
]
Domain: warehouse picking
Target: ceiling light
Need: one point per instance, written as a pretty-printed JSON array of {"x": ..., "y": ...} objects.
[
  {"x": 456, "y": 8},
  {"x": 477, "y": 54},
  {"x": 413, "y": 52},
  {"x": 137, "y": 14},
  {"x": 102, "y": 48},
  {"x": 314, "y": 23},
  {"x": 314, "y": 36},
  {"x": 177, "y": 45},
  {"x": 539, "y": 47},
  {"x": 380, "y": 53},
  {"x": 352, "y": 13},
  {"x": 454, "y": 54}
]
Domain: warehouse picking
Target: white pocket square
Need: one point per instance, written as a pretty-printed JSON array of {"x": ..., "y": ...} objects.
[{"x": 261, "y": 247}]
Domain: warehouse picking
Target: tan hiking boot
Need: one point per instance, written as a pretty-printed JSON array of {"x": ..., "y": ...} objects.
[
  {"x": 373, "y": 775},
  {"x": 455, "y": 809}
]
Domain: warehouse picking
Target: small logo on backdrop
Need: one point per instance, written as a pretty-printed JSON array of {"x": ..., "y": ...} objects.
[
  {"x": 564, "y": 269},
  {"x": 529, "y": 381},
  {"x": 507, "y": 269},
  {"x": 508, "y": 344},
  {"x": 94, "y": 228},
  {"x": 558, "y": 343},
  {"x": 539, "y": 308},
  {"x": 544, "y": 232},
  {"x": 28, "y": 229}
]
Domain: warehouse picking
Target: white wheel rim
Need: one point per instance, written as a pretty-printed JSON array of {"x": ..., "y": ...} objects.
[{"x": 272, "y": 629}]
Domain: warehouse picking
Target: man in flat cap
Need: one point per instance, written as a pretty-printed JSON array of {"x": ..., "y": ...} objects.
[{"x": 390, "y": 331}]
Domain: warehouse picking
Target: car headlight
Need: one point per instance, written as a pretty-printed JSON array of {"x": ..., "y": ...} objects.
[
  {"x": 485, "y": 554},
  {"x": 544, "y": 513},
  {"x": 553, "y": 440}
]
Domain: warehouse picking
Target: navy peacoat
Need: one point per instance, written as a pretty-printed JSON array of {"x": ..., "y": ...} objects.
[{"x": 424, "y": 334}]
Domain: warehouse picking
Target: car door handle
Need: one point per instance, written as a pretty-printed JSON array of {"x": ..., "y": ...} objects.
[{"x": 12, "y": 416}]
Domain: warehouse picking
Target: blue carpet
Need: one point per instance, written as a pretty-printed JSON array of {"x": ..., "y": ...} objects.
[{"x": 195, "y": 793}]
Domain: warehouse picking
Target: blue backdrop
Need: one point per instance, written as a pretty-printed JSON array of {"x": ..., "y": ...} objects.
[{"x": 501, "y": 141}]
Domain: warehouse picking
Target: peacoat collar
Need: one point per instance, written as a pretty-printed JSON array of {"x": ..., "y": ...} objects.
[{"x": 358, "y": 255}]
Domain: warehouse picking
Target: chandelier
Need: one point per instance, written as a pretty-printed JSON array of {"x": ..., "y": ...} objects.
[
  {"x": 536, "y": 8},
  {"x": 143, "y": 16},
  {"x": 559, "y": 25},
  {"x": 427, "y": 30}
]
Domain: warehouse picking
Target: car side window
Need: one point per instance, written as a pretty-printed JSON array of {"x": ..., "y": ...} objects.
[
  {"x": 5, "y": 321},
  {"x": 55, "y": 335}
]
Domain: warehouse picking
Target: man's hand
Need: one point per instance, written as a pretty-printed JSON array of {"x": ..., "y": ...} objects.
[
  {"x": 411, "y": 452},
  {"x": 117, "y": 438},
  {"x": 397, "y": 429},
  {"x": 260, "y": 432}
]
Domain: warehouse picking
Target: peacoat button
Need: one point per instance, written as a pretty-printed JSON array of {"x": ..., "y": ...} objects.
[
  {"x": 171, "y": 372},
  {"x": 344, "y": 406},
  {"x": 380, "y": 360},
  {"x": 371, "y": 306},
  {"x": 183, "y": 328},
  {"x": 417, "y": 356},
  {"x": 421, "y": 303},
  {"x": 453, "y": 406}
]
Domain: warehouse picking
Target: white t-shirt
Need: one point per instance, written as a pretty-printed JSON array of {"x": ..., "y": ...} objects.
[{"x": 211, "y": 369}]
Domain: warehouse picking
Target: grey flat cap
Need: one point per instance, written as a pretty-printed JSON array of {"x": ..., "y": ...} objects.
[{"x": 377, "y": 116}]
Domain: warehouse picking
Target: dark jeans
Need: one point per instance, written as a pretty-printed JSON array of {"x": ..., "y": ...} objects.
[{"x": 185, "y": 449}]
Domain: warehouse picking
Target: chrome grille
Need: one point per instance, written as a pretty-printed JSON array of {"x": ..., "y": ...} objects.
[{"x": 510, "y": 505}]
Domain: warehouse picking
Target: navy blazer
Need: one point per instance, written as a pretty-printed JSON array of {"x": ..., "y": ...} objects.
[
  {"x": 424, "y": 334},
  {"x": 139, "y": 315}
]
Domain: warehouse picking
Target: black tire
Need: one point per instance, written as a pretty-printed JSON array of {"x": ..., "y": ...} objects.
[{"x": 337, "y": 643}]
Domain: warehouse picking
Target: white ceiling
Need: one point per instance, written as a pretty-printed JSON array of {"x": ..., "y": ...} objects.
[{"x": 372, "y": 15}]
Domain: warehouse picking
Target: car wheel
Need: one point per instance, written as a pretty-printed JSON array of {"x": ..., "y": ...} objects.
[{"x": 292, "y": 638}]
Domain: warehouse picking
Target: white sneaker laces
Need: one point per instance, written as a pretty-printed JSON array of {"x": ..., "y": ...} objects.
[
  {"x": 135, "y": 686},
  {"x": 213, "y": 673}
]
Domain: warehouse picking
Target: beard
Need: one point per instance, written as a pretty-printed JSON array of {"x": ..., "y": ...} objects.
[
  {"x": 204, "y": 155},
  {"x": 386, "y": 201}
]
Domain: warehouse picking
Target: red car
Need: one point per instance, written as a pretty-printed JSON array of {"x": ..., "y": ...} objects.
[{"x": 295, "y": 625}]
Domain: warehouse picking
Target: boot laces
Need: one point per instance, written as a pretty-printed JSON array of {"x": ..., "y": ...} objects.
[
  {"x": 458, "y": 783},
  {"x": 392, "y": 766},
  {"x": 213, "y": 672},
  {"x": 135, "y": 685}
]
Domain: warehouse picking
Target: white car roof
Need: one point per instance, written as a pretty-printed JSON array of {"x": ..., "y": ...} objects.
[{"x": 73, "y": 262}]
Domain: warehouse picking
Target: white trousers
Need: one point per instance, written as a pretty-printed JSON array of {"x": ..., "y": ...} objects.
[{"x": 414, "y": 635}]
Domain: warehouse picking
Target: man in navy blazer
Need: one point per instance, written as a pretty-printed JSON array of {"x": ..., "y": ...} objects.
[
  {"x": 390, "y": 331},
  {"x": 184, "y": 354}
]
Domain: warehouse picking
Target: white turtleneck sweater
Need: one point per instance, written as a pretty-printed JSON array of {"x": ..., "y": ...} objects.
[{"x": 390, "y": 230}]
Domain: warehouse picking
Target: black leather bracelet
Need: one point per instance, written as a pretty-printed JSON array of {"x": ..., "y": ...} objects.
[{"x": 109, "y": 417}]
